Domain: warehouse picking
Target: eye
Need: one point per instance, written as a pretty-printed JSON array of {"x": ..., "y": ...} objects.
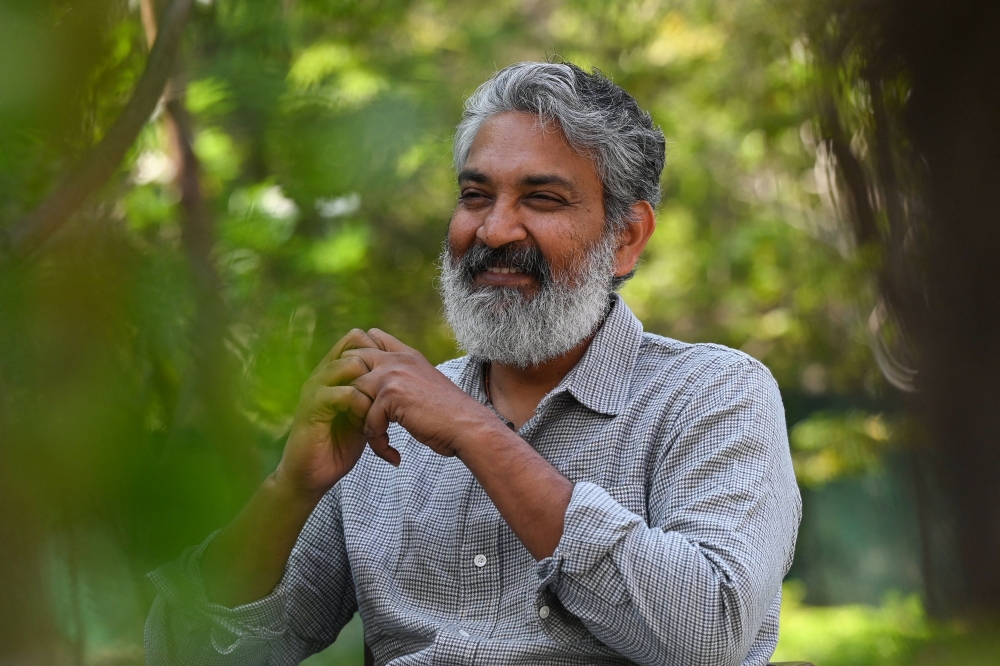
[
  {"x": 545, "y": 199},
  {"x": 472, "y": 198}
]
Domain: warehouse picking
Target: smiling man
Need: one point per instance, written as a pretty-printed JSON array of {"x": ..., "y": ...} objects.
[{"x": 574, "y": 490}]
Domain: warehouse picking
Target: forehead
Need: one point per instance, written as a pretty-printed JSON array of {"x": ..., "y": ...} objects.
[{"x": 512, "y": 146}]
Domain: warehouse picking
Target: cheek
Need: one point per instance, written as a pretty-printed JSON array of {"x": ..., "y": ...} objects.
[
  {"x": 566, "y": 244},
  {"x": 461, "y": 232},
  {"x": 568, "y": 236}
]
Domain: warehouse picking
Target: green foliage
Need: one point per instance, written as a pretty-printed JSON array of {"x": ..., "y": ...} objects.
[
  {"x": 828, "y": 445},
  {"x": 852, "y": 635},
  {"x": 896, "y": 633}
]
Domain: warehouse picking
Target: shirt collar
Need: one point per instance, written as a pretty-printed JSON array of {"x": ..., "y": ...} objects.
[
  {"x": 599, "y": 381},
  {"x": 470, "y": 378}
]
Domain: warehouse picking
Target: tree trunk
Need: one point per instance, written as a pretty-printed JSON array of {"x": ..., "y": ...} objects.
[{"x": 941, "y": 251}]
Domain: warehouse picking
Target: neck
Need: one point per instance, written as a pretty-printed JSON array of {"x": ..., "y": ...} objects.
[{"x": 516, "y": 392}]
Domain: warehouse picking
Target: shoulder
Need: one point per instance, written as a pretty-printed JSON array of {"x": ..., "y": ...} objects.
[
  {"x": 687, "y": 369},
  {"x": 657, "y": 352}
]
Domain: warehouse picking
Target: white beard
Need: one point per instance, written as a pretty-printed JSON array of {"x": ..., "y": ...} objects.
[{"x": 503, "y": 325}]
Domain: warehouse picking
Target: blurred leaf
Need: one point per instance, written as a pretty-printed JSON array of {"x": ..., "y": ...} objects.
[
  {"x": 209, "y": 97},
  {"x": 342, "y": 251},
  {"x": 828, "y": 445}
]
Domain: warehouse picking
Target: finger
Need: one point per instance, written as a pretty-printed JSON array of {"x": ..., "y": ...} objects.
[
  {"x": 386, "y": 342},
  {"x": 380, "y": 447},
  {"x": 356, "y": 406},
  {"x": 355, "y": 339},
  {"x": 371, "y": 357},
  {"x": 377, "y": 422},
  {"x": 376, "y": 430},
  {"x": 372, "y": 383},
  {"x": 341, "y": 371},
  {"x": 332, "y": 400}
]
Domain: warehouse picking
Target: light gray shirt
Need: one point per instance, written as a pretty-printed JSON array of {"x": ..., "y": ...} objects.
[{"x": 680, "y": 529}]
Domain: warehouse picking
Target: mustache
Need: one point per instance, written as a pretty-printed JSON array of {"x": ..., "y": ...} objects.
[{"x": 524, "y": 258}]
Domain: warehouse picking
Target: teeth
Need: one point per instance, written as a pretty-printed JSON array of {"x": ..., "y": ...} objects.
[{"x": 501, "y": 269}]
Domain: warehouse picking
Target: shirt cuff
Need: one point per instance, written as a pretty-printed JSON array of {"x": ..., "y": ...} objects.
[
  {"x": 181, "y": 586},
  {"x": 593, "y": 525}
]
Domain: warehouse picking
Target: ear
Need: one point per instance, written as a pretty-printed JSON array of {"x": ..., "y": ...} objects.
[{"x": 632, "y": 240}]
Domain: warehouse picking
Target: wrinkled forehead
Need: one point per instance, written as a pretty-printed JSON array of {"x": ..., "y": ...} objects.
[
  {"x": 517, "y": 147},
  {"x": 544, "y": 125}
]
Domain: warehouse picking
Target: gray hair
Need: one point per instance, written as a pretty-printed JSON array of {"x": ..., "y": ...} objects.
[{"x": 598, "y": 118}]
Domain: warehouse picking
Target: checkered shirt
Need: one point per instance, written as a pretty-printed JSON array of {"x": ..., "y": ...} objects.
[{"x": 680, "y": 528}]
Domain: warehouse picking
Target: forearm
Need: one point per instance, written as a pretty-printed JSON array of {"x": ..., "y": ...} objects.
[
  {"x": 529, "y": 493},
  {"x": 245, "y": 561},
  {"x": 659, "y": 596}
]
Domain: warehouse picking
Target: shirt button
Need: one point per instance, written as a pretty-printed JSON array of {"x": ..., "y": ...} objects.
[
  {"x": 479, "y": 560},
  {"x": 543, "y": 612},
  {"x": 463, "y": 633}
]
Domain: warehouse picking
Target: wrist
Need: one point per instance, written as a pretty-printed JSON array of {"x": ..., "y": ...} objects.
[
  {"x": 477, "y": 432},
  {"x": 291, "y": 494}
]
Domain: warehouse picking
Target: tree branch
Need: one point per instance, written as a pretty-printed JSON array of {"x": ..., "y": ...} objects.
[
  {"x": 865, "y": 227},
  {"x": 28, "y": 234}
]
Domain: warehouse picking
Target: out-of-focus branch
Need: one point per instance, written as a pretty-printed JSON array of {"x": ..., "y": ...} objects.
[
  {"x": 865, "y": 228},
  {"x": 207, "y": 390},
  {"x": 197, "y": 236},
  {"x": 100, "y": 163},
  {"x": 897, "y": 372},
  {"x": 888, "y": 357}
]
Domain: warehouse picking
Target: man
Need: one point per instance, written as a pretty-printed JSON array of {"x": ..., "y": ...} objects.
[{"x": 572, "y": 491}]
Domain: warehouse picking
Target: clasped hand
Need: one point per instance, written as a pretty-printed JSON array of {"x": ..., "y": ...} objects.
[{"x": 367, "y": 381}]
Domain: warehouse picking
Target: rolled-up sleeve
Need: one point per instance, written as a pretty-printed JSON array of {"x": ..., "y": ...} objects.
[
  {"x": 693, "y": 580},
  {"x": 301, "y": 616}
]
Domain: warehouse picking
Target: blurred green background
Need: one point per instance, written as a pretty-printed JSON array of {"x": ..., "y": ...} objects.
[{"x": 151, "y": 351}]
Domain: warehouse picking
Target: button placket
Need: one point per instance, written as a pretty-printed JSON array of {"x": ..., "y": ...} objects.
[{"x": 480, "y": 564}]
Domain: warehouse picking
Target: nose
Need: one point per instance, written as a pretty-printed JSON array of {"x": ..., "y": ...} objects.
[{"x": 503, "y": 223}]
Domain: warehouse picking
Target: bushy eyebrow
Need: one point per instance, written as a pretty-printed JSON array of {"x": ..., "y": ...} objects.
[
  {"x": 548, "y": 179},
  {"x": 471, "y": 175}
]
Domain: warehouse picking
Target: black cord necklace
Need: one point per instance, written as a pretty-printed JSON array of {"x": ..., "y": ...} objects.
[{"x": 489, "y": 398}]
